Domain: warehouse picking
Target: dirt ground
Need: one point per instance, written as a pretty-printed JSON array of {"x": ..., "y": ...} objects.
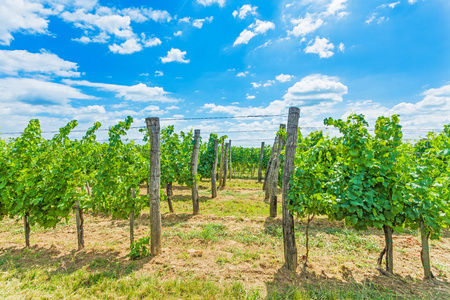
[{"x": 244, "y": 247}]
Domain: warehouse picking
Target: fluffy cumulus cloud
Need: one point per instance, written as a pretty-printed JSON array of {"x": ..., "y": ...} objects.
[
  {"x": 22, "y": 16},
  {"x": 284, "y": 77},
  {"x": 316, "y": 94},
  {"x": 175, "y": 55},
  {"x": 305, "y": 25},
  {"x": 110, "y": 25},
  {"x": 244, "y": 11},
  {"x": 22, "y": 62},
  {"x": 139, "y": 92},
  {"x": 316, "y": 88},
  {"x": 33, "y": 91},
  {"x": 432, "y": 112},
  {"x": 199, "y": 22},
  {"x": 256, "y": 28},
  {"x": 321, "y": 46},
  {"x": 318, "y": 14},
  {"x": 211, "y": 2}
]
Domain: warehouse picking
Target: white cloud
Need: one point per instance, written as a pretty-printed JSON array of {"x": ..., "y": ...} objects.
[
  {"x": 341, "y": 47},
  {"x": 36, "y": 91},
  {"x": 17, "y": 62},
  {"x": 390, "y": 5},
  {"x": 211, "y": 2},
  {"x": 320, "y": 46},
  {"x": 242, "y": 74},
  {"x": 317, "y": 88},
  {"x": 373, "y": 18},
  {"x": 305, "y": 25},
  {"x": 433, "y": 111},
  {"x": 139, "y": 92},
  {"x": 316, "y": 94},
  {"x": 284, "y": 78},
  {"x": 250, "y": 97},
  {"x": 140, "y": 15},
  {"x": 258, "y": 27},
  {"x": 412, "y": 1},
  {"x": 335, "y": 6},
  {"x": 175, "y": 55},
  {"x": 172, "y": 107},
  {"x": 268, "y": 83},
  {"x": 245, "y": 10},
  {"x": 256, "y": 85},
  {"x": 149, "y": 41},
  {"x": 21, "y": 16},
  {"x": 178, "y": 33},
  {"x": 128, "y": 47},
  {"x": 159, "y": 73},
  {"x": 185, "y": 20},
  {"x": 199, "y": 22}
]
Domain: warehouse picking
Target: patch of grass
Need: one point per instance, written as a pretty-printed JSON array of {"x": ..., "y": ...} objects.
[{"x": 82, "y": 284}]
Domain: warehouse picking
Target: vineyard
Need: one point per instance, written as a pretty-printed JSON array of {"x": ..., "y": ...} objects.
[{"x": 359, "y": 215}]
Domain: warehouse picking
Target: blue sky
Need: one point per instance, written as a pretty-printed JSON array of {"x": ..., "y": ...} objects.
[{"x": 94, "y": 60}]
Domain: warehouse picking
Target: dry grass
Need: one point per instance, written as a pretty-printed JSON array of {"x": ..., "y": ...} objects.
[{"x": 231, "y": 250}]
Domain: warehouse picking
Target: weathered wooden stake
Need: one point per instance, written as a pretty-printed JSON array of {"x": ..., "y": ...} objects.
[
  {"x": 231, "y": 162},
  {"x": 222, "y": 154},
  {"x": 194, "y": 163},
  {"x": 267, "y": 178},
  {"x": 269, "y": 164},
  {"x": 275, "y": 170},
  {"x": 27, "y": 230},
  {"x": 213, "y": 171},
  {"x": 425, "y": 253},
  {"x": 80, "y": 221},
  {"x": 169, "y": 192},
  {"x": 261, "y": 156},
  {"x": 389, "y": 248},
  {"x": 154, "y": 132},
  {"x": 290, "y": 248},
  {"x": 225, "y": 167},
  {"x": 133, "y": 196}
]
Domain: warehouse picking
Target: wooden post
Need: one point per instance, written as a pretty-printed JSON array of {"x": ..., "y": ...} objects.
[
  {"x": 275, "y": 170},
  {"x": 389, "y": 248},
  {"x": 231, "y": 163},
  {"x": 225, "y": 167},
  {"x": 222, "y": 154},
  {"x": 425, "y": 252},
  {"x": 133, "y": 196},
  {"x": 261, "y": 156},
  {"x": 80, "y": 221},
  {"x": 194, "y": 163},
  {"x": 272, "y": 153},
  {"x": 267, "y": 178},
  {"x": 213, "y": 171},
  {"x": 290, "y": 248},
  {"x": 154, "y": 132},
  {"x": 169, "y": 192},
  {"x": 27, "y": 230}
]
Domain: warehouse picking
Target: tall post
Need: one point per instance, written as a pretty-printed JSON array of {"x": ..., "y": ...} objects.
[
  {"x": 133, "y": 196},
  {"x": 274, "y": 172},
  {"x": 267, "y": 178},
  {"x": 231, "y": 162},
  {"x": 194, "y": 162},
  {"x": 154, "y": 132},
  {"x": 425, "y": 253},
  {"x": 79, "y": 222},
  {"x": 225, "y": 166},
  {"x": 261, "y": 156},
  {"x": 214, "y": 168},
  {"x": 290, "y": 248},
  {"x": 27, "y": 230},
  {"x": 269, "y": 164},
  {"x": 222, "y": 154}
]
